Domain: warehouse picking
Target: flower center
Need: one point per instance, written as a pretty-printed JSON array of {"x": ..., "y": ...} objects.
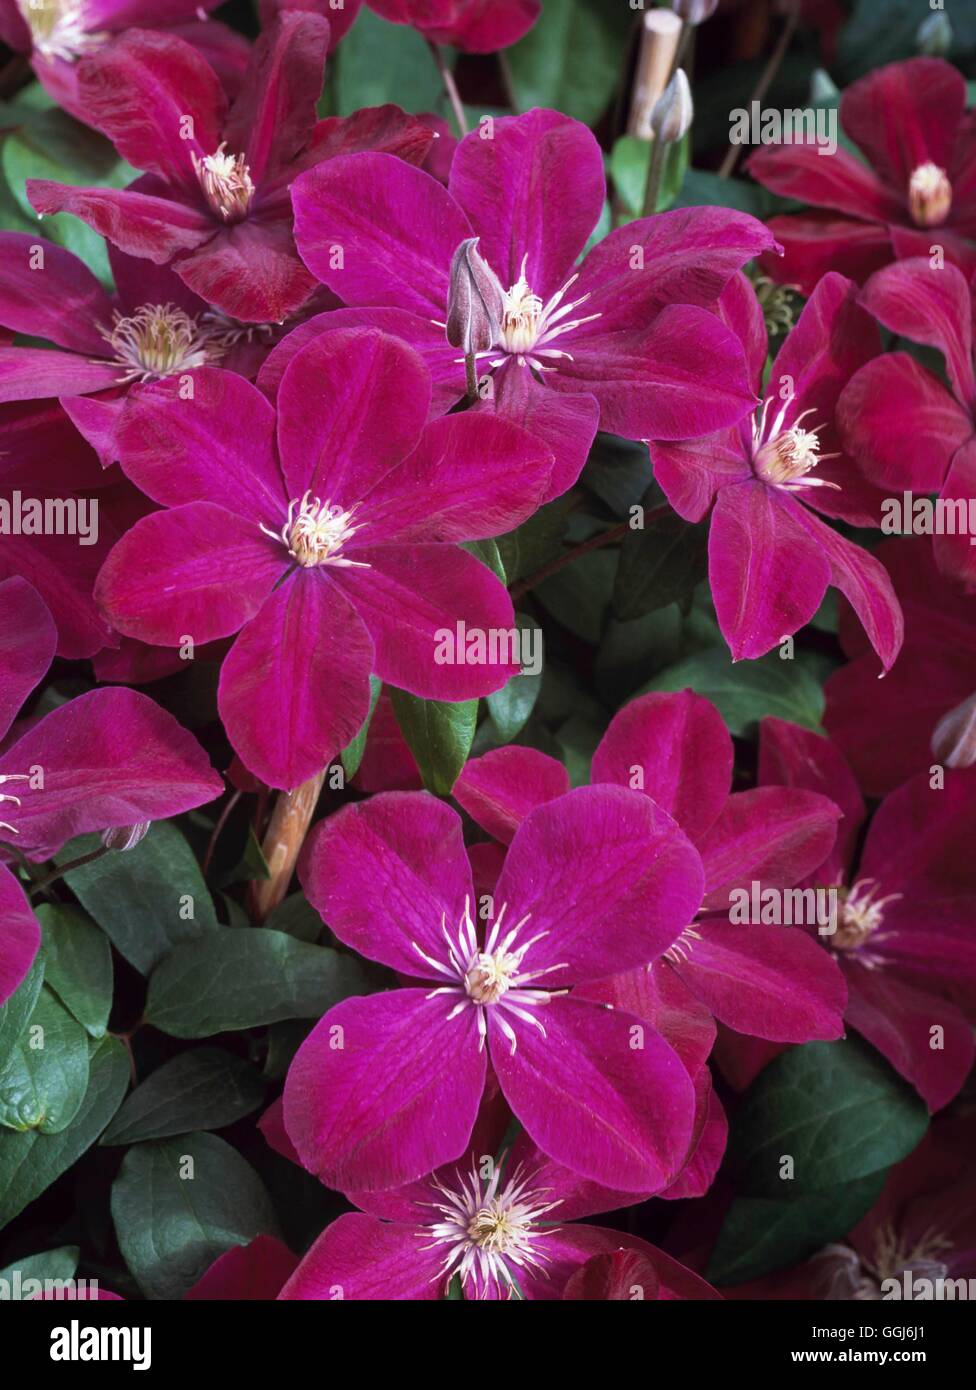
[
  {"x": 58, "y": 28},
  {"x": 315, "y": 533},
  {"x": 156, "y": 341},
  {"x": 785, "y": 457},
  {"x": 491, "y": 975},
  {"x": 226, "y": 183},
  {"x": 490, "y": 1231},
  {"x": 528, "y": 326},
  {"x": 6, "y": 796},
  {"x": 861, "y": 914},
  {"x": 929, "y": 195}
]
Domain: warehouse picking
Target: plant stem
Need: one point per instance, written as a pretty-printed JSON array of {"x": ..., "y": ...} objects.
[
  {"x": 471, "y": 375},
  {"x": 222, "y": 820},
  {"x": 765, "y": 81},
  {"x": 615, "y": 533},
  {"x": 450, "y": 86},
  {"x": 60, "y": 870},
  {"x": 290, "y": 820},
  {"x": 655, "y": 169}
]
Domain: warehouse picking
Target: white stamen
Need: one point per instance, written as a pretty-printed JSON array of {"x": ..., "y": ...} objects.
[{"x": 315, "y": 533}]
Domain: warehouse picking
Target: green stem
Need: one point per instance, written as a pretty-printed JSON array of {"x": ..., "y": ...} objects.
[
  {"x": 450, "y": 86},
  {"x": 60, "y": 870},
  {"x": 655, "y": 169}
]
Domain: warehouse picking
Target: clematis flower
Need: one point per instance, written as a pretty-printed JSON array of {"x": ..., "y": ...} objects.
[
  {"x": 906, "y": 430},
  {"x": 621, "y": 340},
  {"x": 770, "y": 557},
  {"x": 214, "y": 199},
  {"x": 107, "y": 759},
  {"x": 904, "y": 937},
  {"x": 918, "y": 190},
  {"x": 56, "y": 33},
  {"x": 324, "y": 535},
  {"x": 765, "y": 981},
  {"x": 924, "y": 712},
  {"x": 474, "y": 26},
  {"x": 504, "y": 1236},
  {"x": 387, "y": 1088}
]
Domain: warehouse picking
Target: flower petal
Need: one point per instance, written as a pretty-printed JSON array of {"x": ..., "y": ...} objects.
[
  {"x": 679, "y": 744},
  {"x": 141, "y": 223},
  {"x": 606, "y": 875},
  {"x": 385, "y": 1089},
  {"x": 601, "y": 1093},
  {"x": 359, "y": 1257},
  {"x": 378, "y": 231},
  {"x": 389, "y": 872},
  {"x": 28, "y": 639},
  {"x": 499, "y": 789},
  {"x": 294, "y": 688},
  {"x": 533, "y": 193},
  {"x": 197, "y": 571},
  {"x": 351, "y": 405},
  {"x": 904, "y": 115},
  {"x": 20, "y": 935},
  {"x": 55, "y": 297},
  {"x": 109, "y": 758},
  {"x": 929, "y": 306}
]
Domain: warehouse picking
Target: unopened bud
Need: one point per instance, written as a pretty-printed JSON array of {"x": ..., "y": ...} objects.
[
  {"x": 934, "y": 35},
  {"x": 954, "y": 737},
  {"x": 694, "y": 12},
  {"x": 823, "y": 88},
  {"x": 475, "y": 300},
  {"x": 125, "y": 836},
  {"x": 673, "y": 112}
]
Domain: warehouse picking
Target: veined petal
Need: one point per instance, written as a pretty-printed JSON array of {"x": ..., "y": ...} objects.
[
  {"x": 390, "y": 872},
  {"x": 385, "y": 1089},
  {"x": 359, "y": 1257},
  {"x": 20, "y": 935},
  {"x": 294, "y": 688},
  {"x": 499, "y": 789},
  {"x": 28, "y": 639},
  {"x": 56, "y": 297}
]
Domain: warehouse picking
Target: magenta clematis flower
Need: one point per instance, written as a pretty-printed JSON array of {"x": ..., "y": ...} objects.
[
  {"x": 925, "y": 710},
  {"x": 325, "y": 536},
  {"x": 215, "y": 196},
  {"x": 904, "y": 937},
  {"x": 474, "y": 26},
  {"x": 107, "y": 759},
  {"x": 504, "y": 1236},
  {"x": 906, "y": 430},
  {"x": 56, "y": 33},
  {"x": 388, "y": 1087},
  {"x": 765, "y": 981},
  {"x": 621, "y": 340},
  {"x": 770, "y": 557},
  {"x": 918, "y": 190}
]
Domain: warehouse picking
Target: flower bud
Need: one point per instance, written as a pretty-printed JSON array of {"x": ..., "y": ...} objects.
[
  {"x": 694, "y": 12},
  {"x": 954, "y": 737},
  {"x": 673, "y": 112},
  {"x": 475, "y": 301},
  {"x": 934, "y": 35},
  {"x": 125, "y": 836}
]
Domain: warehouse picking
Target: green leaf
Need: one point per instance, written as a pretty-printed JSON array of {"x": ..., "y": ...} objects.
[
  {"x": 760, "y": 1236},
  {"x": 30, "y": 1162},
  {"x": 570, "y": 60},
  {"x": 19, "y": 1007},
  {"x": 662, "y": 563},
  {"x": 579, "y": 595},
  {"x": 52, "y": 145},
  {"x": 296, "y": 917},
  {"x": 141, "y": 898},
  {"x": 178, "y": 1204},
  {"x": 44, "y": 1080},
  {"x": 57, "y": 1265},
  {"x": 439, "y": 733},
  {"x": 352, "y": 754},
  {"x": 228, "y": 980},
  {"x": 837, "y": 1109},
  {"x": 511, "y": 706},
  {"x": 747, "y": 691},
  {"x": 380, "y": 62},
  {"x": 537, "y": 541},
  {"x": 79, "y": 964},
  {"x": 203, "y": 1089},
  {"x": 702, "y": 188},
  {"x": 490, "y": 556}
]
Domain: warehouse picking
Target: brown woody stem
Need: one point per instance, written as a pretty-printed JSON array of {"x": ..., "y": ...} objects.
[{"x": 290, "y": 820}]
